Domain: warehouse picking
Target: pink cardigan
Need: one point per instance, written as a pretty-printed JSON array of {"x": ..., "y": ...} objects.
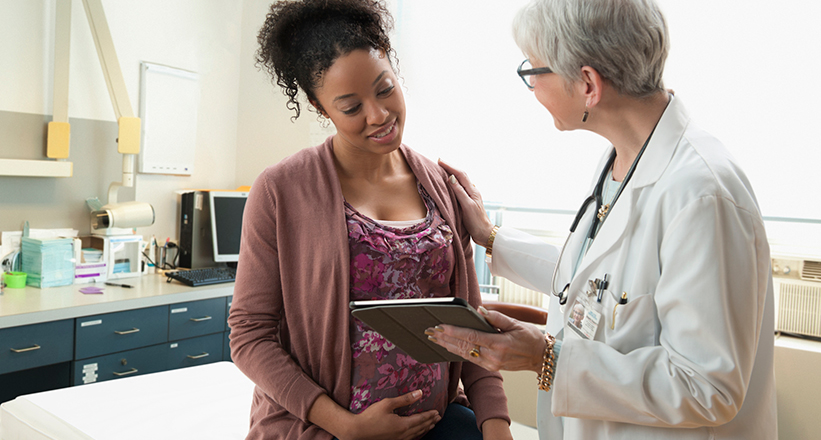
[{"x": 290, "y": 317}]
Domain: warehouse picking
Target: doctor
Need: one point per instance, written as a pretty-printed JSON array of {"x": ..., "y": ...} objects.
[{"x": 667, "y": 259}]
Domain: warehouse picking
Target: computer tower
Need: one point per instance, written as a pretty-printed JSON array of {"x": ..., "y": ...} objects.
[{"x": 196, "y": 248}]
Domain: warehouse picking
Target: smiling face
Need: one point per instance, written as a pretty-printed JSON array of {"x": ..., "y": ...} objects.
[
  {"x": 578, "y": 315},
  {"x": 359, "y": 93},
  {"x": 563, "y": 102}
]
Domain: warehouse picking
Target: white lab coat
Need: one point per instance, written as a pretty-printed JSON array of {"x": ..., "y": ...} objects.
[{"x": 690, "y": 355}]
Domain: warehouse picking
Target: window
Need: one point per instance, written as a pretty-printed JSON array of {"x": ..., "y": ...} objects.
[{"x": 744, "y": 68}]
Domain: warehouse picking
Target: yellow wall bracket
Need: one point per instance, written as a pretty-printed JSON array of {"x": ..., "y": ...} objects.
[
  {"x": 58, "y": 140},
  {"x": 128, "y": 135},
  {"x": 59, "y": 132}
]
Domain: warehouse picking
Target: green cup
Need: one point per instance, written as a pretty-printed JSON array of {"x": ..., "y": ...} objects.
[{"x": 15, "y": 280}]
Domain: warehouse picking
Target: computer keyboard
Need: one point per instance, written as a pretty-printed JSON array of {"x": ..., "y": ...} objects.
[{"x": 203, "y": 276}]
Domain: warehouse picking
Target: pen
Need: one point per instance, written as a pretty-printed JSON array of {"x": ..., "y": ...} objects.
[
  {"x": 119, "y": 285},
  {"x": 602, "y": 285},
  {"x": 622, "y": 300}
]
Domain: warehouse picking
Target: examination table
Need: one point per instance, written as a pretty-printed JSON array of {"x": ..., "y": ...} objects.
[{"x": 210, "y": 401}]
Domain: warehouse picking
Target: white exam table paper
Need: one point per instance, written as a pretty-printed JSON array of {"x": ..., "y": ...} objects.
[{"x": 210, "y": 401}]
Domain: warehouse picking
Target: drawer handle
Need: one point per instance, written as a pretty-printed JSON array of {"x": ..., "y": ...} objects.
[
  {"x": 199, "y": 356},
  {"x": 125, "y": 373},
  {"x": 127, "y": 332},
  {"x": 204, "y": 318},
  {"x": 23, "y": 350}
]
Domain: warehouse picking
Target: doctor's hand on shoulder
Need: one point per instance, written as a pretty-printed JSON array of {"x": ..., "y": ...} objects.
[
  {"x": 518, "y": 345},
  {"x": 474, "y": 215}
]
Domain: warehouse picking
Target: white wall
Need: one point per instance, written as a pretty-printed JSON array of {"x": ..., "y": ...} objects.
[
  {"x": 198, "y": 35},
  {"x": 265, "y": 132}
]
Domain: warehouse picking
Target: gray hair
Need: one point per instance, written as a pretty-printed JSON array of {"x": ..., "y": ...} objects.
[{"x": 626, "y": 41}]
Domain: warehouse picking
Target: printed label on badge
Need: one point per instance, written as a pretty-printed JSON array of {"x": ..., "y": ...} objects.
[{"x": 584, "y": 318}]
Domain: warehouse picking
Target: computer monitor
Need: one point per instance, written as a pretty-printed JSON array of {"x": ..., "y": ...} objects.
[{"x": 226, "y": 223}]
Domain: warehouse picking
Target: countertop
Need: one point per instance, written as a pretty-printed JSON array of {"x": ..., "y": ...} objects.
[{"x": 32, "y": 305}]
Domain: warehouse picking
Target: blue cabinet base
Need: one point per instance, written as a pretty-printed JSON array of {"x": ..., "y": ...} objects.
[
  {"x": 79, "y": 350},
  {"x": 153, "y": 359},
  {"x": 34, "y": 380}
]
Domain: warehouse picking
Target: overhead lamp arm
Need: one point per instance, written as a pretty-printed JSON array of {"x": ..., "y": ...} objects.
[{"x": 129, "y": 126}]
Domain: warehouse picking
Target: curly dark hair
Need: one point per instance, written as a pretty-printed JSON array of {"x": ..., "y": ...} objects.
[{"x": 301, "y": 39}]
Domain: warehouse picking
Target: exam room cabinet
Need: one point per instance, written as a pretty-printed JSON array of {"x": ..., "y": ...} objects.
[
  {"x": 142, "y": 341},
  {"x": 36, "y": 345},
  {"x": 116, "y": 365},
  {"x": 152, "y": 327},
  {"x": 161, "y": 357},
  {"x": 120, "y": 331},
  {"x": 35, "y": 358},
  {"x": 196, "y": 318},
  {"x": 194, "y": 351}
]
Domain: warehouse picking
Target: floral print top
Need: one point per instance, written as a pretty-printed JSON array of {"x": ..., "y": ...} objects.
[{"x": 390, "y": 263}]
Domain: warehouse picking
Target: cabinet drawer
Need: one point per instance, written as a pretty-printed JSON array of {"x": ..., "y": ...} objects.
[
  {"x": 125, "y": 364},
  {"x": 196, "y": 318},
  {"x": 195, "y": 351},
  {"x": 115, "y": 332},
  {"x": 35, "y": 345}
]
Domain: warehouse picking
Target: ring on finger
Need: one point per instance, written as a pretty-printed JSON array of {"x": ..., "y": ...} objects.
[{"x": 474, "y": 352}]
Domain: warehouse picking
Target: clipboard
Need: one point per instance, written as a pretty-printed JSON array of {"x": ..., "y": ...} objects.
[{"x": 404, "y": 321}]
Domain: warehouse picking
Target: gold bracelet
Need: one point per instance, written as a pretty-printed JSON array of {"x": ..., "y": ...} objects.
[
  {"x": 489, "y": 246},
  {"x": 545, "y": 377}
]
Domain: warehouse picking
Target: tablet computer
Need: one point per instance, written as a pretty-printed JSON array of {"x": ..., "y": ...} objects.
[{"x": 404, "y": 321}]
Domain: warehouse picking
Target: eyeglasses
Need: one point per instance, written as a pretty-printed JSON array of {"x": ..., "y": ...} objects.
[{"x": 525, "y": 70}]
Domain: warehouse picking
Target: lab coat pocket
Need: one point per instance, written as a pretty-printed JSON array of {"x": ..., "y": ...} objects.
[{"x": 631, "y": 325}]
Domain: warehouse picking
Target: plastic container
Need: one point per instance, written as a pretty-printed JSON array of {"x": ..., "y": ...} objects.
[{"x": 15, "y": 280}]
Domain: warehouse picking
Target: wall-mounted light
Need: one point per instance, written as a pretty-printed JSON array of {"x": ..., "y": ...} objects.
[{"x": 123, "y": 215}]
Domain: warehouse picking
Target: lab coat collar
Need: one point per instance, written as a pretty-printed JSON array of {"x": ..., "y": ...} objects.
[
  {"x": 651, "y": 166},
  {"x": 662, "y": 144}
]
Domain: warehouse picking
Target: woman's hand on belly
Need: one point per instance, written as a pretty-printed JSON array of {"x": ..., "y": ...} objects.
[
  {"x": 376, "y": 422},
  {"x": 379, "y": 421}
]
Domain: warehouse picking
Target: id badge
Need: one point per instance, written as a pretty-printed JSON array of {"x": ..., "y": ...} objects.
[{"x": 585, "y": 315}]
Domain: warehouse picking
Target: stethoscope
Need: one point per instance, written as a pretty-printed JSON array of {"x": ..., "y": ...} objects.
[{"x": 599, "y": 217}]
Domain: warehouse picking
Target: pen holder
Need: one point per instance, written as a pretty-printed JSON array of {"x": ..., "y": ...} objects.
[
  {"x": 15, "y": 280},
  {"x": 159, "y": 257}
]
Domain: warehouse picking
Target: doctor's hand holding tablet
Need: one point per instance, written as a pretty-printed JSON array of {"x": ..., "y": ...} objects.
[{"x": 663, "y": 308}]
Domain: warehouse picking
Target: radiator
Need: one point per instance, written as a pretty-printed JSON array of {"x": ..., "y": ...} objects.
[
  {"x": 511, "y": 292},
  {"x": 797, "y": 285}
]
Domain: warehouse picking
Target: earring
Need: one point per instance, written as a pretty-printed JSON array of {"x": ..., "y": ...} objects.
[{"x": 586, "y": 114}]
